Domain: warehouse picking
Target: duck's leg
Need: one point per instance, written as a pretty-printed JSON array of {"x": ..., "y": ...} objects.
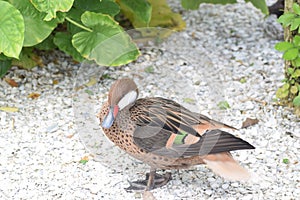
[
  {"x": 151, "y": 178},
  {"x": 152, "y": 181}
]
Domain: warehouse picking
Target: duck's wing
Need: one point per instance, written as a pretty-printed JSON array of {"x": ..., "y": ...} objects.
[
  {"x": 166, "y": 128},
  {"x": 171, "y": 115}
]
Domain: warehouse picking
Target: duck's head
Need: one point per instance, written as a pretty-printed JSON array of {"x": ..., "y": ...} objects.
[{"x": 122, "y": 93}]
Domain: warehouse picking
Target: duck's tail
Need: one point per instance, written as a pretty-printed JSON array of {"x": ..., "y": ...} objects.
[{"x": 225, "y": 166}]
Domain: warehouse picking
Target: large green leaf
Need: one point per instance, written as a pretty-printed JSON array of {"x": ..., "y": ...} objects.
[
  {"x": 100, "y": 6},
  {"x": 11, "y": 30},
  {"x": 5, "y": 65},
  {"x": 107, "y": 43},
  {"x": 260, "y": 4},
  {"x": 63, "y": 42},
  {"x": 36, "y": 29},
  {"x": 194, "y": 4},
  {"x": 137, "y": 11},
  {"x": 52, "y": 6}
]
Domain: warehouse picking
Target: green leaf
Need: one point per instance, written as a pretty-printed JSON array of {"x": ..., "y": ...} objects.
[
  {"x": 290, "y": 70},
  {"x": 105, "y": 6},
  {"x": 292, "y": 81},
  {"x": 138, "y": 12},
  {"x": 296, "y": 62},
  {"x": 291, "y": 54},
  {"x": 149, "y": 69},
  {"x": 296, "y": 101},
  {"x": 46, "y": 44},
  {"x": 194, "y": 4},
  {"x": 36, "y": 29},
  {"x": 82, "y": 161},
  {"x": 11, "y": 30},
  {"x": 285, "y": 161},
  {"x": 296, "y": 74},
  {"x": 109, "y": 7},
  {"x": 295, "y": 24},
  {"x": 260, "y": 4},
  {"x": 296, "y": 8},
  {"x": 283, "y": 46},
  {"x": 286, "y": 86},
  {"x": 296, "y": 40},
  {"x": 281, "y": 93},
  {"x": 90, "y": 5},
  {"x": 286, "y": 19},
  {"x": 52, "y": 6},
  {"x": 294, "y": 89},
  {"x": 223, "y": 105},
  {"x": 243, "y": 80},
  {"x": 89, "y": 92},
  {"x": 25, "y": 61},
  {"x": 107, "y": 44},
  {"x": 5, "y": 65},
  {"x": 64, "y": 42}
]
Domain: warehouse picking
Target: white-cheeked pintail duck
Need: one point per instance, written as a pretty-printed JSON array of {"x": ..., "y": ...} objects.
[{"x": 165, "y": 135}]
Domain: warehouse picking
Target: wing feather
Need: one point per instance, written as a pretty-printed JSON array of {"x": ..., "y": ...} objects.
[{"x": 166, "y": 128}]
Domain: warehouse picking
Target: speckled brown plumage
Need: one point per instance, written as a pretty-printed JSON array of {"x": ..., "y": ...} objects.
[{"x": 121, "y": 133}]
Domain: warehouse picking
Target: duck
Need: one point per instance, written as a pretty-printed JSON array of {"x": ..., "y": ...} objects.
[{"x": 165, "y": 135}]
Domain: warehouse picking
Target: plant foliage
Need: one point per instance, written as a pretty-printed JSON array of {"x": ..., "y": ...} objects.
[
  {"x": 84, "y": 29},
  {"x": 291, "y": 88}
]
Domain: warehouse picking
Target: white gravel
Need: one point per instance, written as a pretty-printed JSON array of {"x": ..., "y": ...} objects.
[{"x": 40, "y": 144}]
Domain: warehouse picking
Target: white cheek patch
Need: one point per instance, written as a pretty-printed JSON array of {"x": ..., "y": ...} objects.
[{"x": 129, "y": 98}]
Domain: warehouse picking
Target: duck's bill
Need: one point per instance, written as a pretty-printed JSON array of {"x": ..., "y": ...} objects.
[{"x": 109, "y": 119}]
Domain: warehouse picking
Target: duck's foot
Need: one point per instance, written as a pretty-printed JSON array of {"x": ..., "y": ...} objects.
[{"x": 158, "y": 181}]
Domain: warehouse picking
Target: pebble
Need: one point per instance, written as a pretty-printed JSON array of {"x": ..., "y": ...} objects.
[
  {"x": 225, "y": 186},
  {"x": 208, "y": 192},
  {"x": 52, "y": 128}
]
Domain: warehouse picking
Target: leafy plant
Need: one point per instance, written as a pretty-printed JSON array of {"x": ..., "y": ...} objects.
[
  {"x": 291, "y": 88},
  {"x": 84, "y": 29},
  {"x": 291, "y": 19}
]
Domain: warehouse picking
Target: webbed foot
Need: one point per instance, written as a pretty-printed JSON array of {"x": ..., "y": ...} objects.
[{"x": 149, "y": 183}]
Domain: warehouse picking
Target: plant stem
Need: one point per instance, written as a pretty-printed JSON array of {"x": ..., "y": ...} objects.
[{"x": 79, "y": 25}]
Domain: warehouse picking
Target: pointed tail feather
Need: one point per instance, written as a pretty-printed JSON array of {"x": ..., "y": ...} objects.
[
  {"x": 217, "y": 141},
  {"x": 225, "y": 166}
]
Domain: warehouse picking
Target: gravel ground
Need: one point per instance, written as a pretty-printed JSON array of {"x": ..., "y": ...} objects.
[{"x": 224, "y": 55}]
